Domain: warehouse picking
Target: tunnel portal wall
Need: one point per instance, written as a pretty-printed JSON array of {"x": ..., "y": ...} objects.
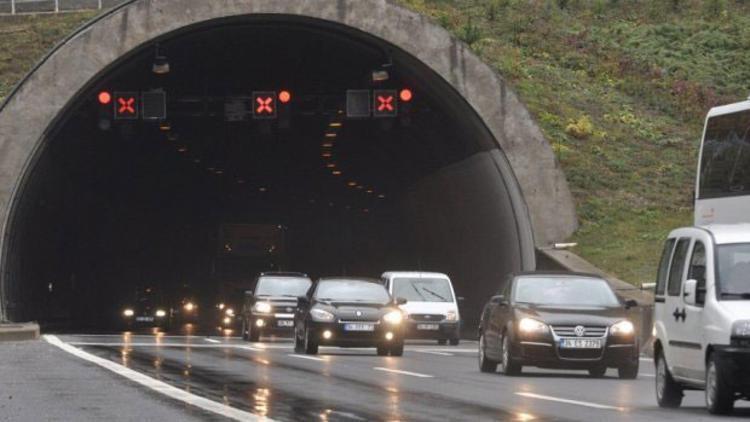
[{"x": 544, "y": 211}]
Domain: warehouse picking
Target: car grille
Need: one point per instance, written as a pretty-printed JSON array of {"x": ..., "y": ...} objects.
[
  {"x": 427, "y": 317},
  {"x": 570, "y": 331}
]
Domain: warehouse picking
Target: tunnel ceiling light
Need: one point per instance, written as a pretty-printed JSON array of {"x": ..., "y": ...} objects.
[
  {"x": 327, "y": 145},
  {"x": 263, "y": 189},
  {"x": 335, "y": 124},
  {"x": 331, "y": 165},
  {"x": 326, "y": 155},
  {"x": 380, "y": 75},
  {"x": 285, "y": 96},
  {"x": 219, "y": 172},
  {"x": 381, "y": 196},
  {"x": 406, "y": 95},
  {"x": 370, "y": 191},
  {"x": 241, "y": 181},
  {"x": 360, "y": 187},
  {"x": 197, "y": 160},
  {"x": 182, "y": 149},
  {"x": 165, "y": 126},
  {"x": 104, "y": 97},
  {"x": 336, "y": 173},
  {"x": 330, "y": 135},
  {"x": 351, "y": 184}
]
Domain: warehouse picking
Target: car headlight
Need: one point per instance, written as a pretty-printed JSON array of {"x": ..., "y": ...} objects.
[
  {"x": 190, "y": 306},
  {"x": 160, "y": 313},
  {"x": 262, "y": 307},
  {"x": 321, "y": 315},
  {"x": 451, "y": 315},
  {"x": 128, "y": 312},
  {"x": 741, "y": 328},
  {"x": 227, "y": 320},
  {"x": 229, "y": 312},
  {"x": 530, "y": 326},
  {"x": 393, "y": 317},
  {"x": 622, "y": 328}
]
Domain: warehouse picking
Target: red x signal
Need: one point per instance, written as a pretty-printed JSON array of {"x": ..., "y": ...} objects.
[
  {"x": 126, "y": 105},
  {"x": 385, "y": 104},
  {"x": 264, "y": 104}
]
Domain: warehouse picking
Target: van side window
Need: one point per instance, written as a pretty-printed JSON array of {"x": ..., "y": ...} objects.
[
  {"x": 697, "y": 271},
  {"x": 678, "y": 267},
  {"x": 661, "y": 277}
]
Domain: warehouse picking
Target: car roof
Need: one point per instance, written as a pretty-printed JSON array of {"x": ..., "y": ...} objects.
[
  {"x": 344, "y": 278},
  {"x": 722, "y": 233},
  {"x": 282, "y": 274},
  {"x": 558, "y": 274},
  {"x": 415, "y": 274}
]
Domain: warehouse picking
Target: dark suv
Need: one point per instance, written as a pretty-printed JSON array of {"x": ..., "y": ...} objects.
[{"x": 269, "y": 308}]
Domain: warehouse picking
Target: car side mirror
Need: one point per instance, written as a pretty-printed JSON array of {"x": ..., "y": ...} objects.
[
  {"x": 690, "y": 292},
  {"x": 400, "y": 301},
  {"x": 498, "y": 300},
  {"x": 631, "y": 303}
]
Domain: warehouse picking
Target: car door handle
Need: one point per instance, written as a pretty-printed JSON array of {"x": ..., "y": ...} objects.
[{"x": 677, "y": 314}]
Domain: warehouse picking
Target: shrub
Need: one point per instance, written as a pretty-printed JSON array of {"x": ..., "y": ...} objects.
[{"x": 581, "y": 128}]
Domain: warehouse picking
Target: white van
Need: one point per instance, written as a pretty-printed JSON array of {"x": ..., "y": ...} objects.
[
  {"x": 702, "y": 316},
  {"x": 431, "y": 308}
]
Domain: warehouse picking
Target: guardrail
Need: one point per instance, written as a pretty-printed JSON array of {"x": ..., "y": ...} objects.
[{"x": 25, "y": 7}]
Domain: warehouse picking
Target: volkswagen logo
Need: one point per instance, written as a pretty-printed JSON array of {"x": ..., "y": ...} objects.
[
  {"x": 289, "y": 309},
  {"x": 358, "y": 313},
  {"x": 580, "y": 330}
]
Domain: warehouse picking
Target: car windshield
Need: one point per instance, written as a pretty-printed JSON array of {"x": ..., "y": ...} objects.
[
  {"x": 352, "y": 291},
  {"x": 423, "y": 289},
  {"x": 734, "y": 271},
  {"x": 565, "y": 291},
  {"x": 282, "y": 286}
]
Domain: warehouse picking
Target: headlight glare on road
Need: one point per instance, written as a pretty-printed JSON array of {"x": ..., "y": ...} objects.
[
  {"x": 263, "y": 308},
  {"x": 128, "y": 313},
  {"x": 531, "y": 326},
  {"x": 321, "y": 315},
  {"x": 451, "y": 315},
  {"x": 622, "y": 328},
  {"x": 160, "y": 313},
  {"x": 393, "y": 317}
]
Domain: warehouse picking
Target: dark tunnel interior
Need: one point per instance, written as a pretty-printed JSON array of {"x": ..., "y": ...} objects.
[{"x": 197, "y": 204}]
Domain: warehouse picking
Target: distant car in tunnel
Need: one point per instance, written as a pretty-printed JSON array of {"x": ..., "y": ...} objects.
[
  {"x": 147, "y": 309},
  {"x": 432, "y": 308},
  {"x": 269, "y": 308},
  {"x": 559, "y": 321},
  {"x": 349, "y": 312},
  {"x": 226, "y": 315}
]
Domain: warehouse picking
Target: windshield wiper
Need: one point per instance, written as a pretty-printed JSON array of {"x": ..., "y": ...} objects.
[
  {"x": 417, "y": 290},
  {"x": 745, "y": 295},
  {"x": 434, "y": 294}
]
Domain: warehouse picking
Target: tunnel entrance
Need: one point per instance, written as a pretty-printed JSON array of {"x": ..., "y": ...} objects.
[{"x": 196, "y": 204}]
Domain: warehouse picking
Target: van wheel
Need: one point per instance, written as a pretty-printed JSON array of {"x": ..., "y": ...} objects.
[
  {"x": 668, "y": 391},
  {"x": 719, "y": 394},
  {"x": 485, "y": 364}
]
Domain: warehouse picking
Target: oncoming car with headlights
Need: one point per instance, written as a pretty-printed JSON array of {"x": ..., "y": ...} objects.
[
  {"x": 269, "y": 307},
  {"x": 559, "y": 321},
  {"x": 349, "y": 312},
  {"x": 147, "y": 309}
]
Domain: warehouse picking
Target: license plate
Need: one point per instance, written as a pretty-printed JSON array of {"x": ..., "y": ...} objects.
[
  {"x": 285, "y": 323},
  {"x": 576, "y": 343},
  {"x": 144, "y": 319},
  {"x": 359, "y": 327},
  {"x": 428, "y": 327}
]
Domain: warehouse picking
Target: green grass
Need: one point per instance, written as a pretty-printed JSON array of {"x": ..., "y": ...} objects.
[{"x": 619, "y": 87}]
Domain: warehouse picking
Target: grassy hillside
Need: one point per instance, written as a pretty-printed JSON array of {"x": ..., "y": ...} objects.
[{"x": 620, "y": 88}]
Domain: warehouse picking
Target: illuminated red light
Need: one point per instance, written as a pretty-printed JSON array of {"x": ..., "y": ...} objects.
[
  {"x": 105, "y": 98},
  {"x": 385, "y": 103},
  {"x": 405, "y": 95},
  {"x": 285, "y": 96}
]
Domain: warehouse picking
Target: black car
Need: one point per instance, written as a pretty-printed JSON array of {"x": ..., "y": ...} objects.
[
  {"x": 554, "y": 320},
  {"x": 349, "y": 312},
  {"x": 269, "y": 307},
  {"x": 148, "y": 308}
]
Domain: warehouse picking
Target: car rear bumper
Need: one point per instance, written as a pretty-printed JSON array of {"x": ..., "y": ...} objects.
[
  {"x": 342, "y": 338},
  {"x": 549, "y": 355}
]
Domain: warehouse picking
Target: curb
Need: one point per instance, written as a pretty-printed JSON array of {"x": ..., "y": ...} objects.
[{"x": 19, "y": 332}]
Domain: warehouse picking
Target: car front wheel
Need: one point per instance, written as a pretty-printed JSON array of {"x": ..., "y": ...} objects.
[
  {"x": 485, "y": 364},
  {"x": 668, "y": 391},
  {"x": 509, "y": 366},
  {"x": 719, "y": 394}
]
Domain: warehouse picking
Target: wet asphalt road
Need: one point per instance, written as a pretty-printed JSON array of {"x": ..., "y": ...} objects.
[{"x": 428, "y": 383}]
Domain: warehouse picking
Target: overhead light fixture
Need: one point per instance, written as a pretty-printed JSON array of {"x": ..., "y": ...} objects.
[
  {"x": 381, "y": 196},
  {"x": 331, "y": 165},
  {"x": 370, "y": 191},
  {"x": 327, "y": 145},
  {"x": 352, "y": 184},
  {"x": 326, "y": 155},
  {"x": 263, "y": 189},
  {"x": 330, "y": 135},
  {"x": 380, "y": 75},
  {"x": 335, "y": 124},
  {"x": 182, "y": 149},
  {"x": 336, "y": 172},
  {"x": 161, "y": 64},
  {"x": 164, "y": 125}
]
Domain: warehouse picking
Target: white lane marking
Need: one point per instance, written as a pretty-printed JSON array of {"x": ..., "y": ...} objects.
[
  {"x": 568, "y": 401},
  {"x": 156, "y": 385},
  {"x": 307, "y": 357},
  {"x": 647, "y": 375},
  {"x": 210, "y": 340},
  {"x": 396, "y": 371},
  {"x": 432, "y": 352},
  {"x": 122, "y": 344},
  {"x": 647, "y": 359}
]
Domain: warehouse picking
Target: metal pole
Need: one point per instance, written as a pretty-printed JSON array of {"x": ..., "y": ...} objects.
[
  {"x": 57, "y": 6},
  {"x": 100, "y": 4},
  {"x": 12, "y": 7}
]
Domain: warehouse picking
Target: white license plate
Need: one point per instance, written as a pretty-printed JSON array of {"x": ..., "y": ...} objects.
[
  {"x": 428, "y": 327},
  {"x": 359, "y": 327},
  {"x": 285, "y": 323},
  {"x": 576, "y": 343},
  {"x": 144, "y": 319}
]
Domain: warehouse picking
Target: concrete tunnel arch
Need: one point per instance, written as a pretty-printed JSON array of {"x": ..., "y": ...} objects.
[{"x": 541, "y": 202}]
